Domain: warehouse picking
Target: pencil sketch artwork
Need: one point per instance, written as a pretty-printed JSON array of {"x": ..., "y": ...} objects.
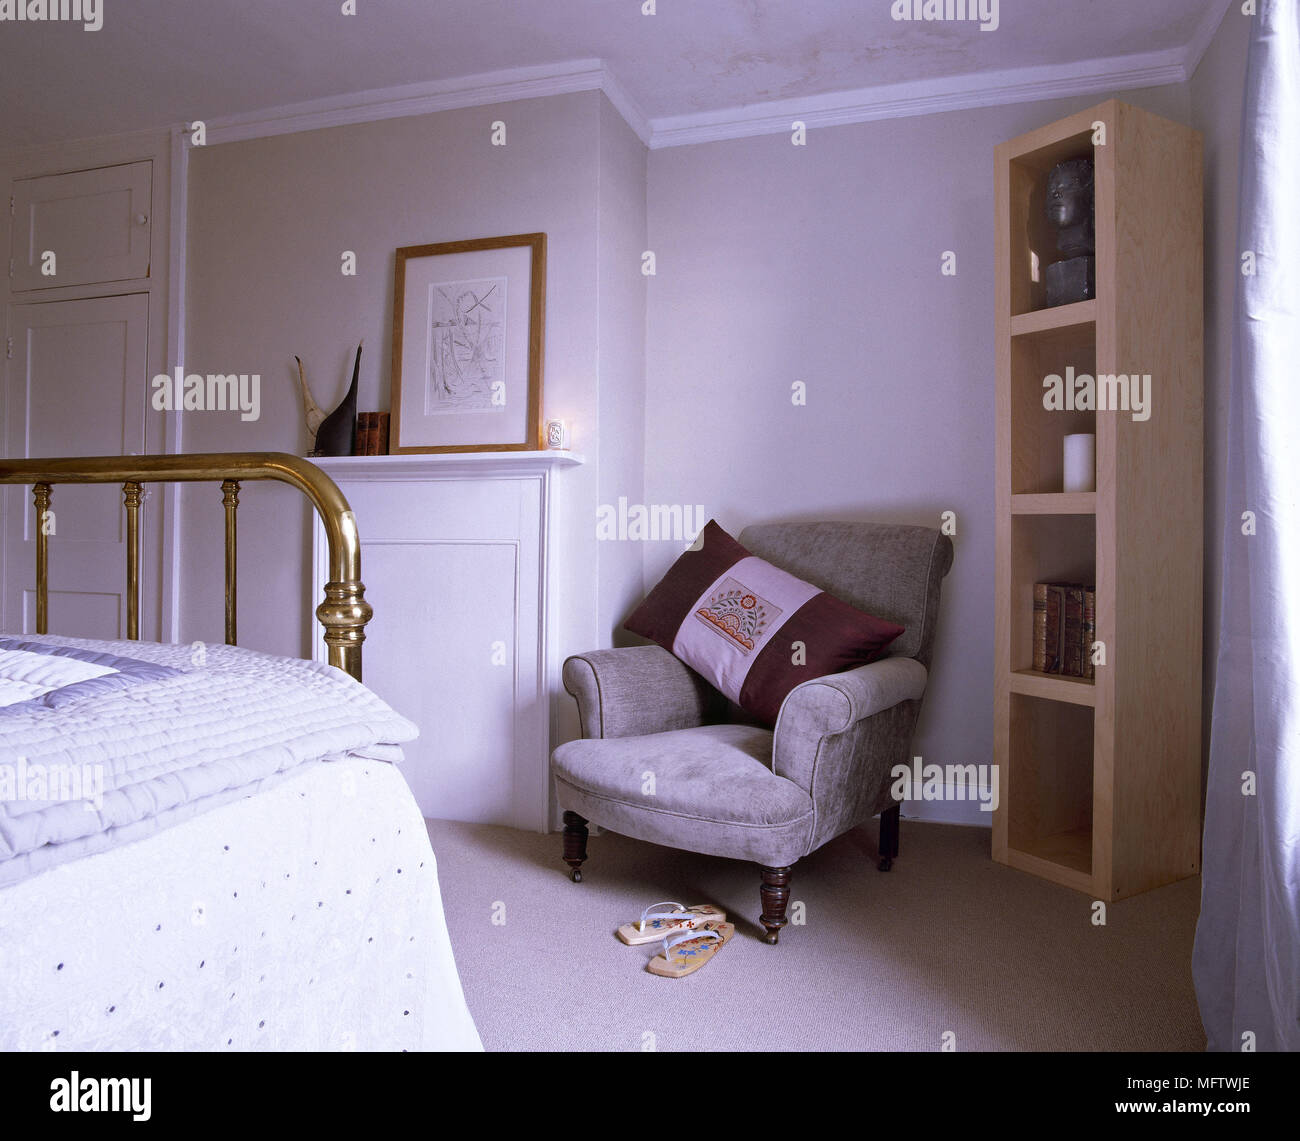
[{"x": 466, "y": 346}]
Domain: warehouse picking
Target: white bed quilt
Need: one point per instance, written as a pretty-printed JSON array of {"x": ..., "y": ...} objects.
[
  {"x": 103, "y": 743},
  {"x": 307, "y": 917}
]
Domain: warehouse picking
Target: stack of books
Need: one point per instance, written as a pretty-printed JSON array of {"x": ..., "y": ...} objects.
[
  {"x": 372, "y": 434},
  {"x": 1065, "y": 627}
]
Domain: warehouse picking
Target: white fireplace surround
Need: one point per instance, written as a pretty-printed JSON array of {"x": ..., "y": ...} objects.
[{"x": 457, "y": 559}]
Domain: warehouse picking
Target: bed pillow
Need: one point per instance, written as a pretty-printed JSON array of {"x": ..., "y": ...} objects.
[{"x": 751, "y": 629}]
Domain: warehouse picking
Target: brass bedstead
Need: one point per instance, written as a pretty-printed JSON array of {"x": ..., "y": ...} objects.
[{"x": 344, "y": 612}]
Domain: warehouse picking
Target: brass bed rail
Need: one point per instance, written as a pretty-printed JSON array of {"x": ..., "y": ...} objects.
[{"x": 344, "y": 612}]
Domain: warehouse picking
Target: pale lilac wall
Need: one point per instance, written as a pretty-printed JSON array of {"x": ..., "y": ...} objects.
[
  {"x": 621, "y": 236},
  {"x": 268, "y": 220},
  {"x": 821, "y": 263}
]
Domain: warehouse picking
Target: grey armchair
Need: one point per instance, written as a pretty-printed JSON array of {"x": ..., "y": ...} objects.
[{"x": 659, "y": 761}]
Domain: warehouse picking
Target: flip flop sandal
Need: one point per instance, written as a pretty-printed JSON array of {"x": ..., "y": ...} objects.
[
  {"x": 687, "y": 953},
  {"x": 654, "y": 925}
]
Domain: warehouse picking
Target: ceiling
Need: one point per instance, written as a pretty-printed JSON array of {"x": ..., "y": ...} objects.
[{"x": 156, "y": 63}]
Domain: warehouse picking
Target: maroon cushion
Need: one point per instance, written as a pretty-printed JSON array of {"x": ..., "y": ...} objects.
[{"x": 751, "y": 629}]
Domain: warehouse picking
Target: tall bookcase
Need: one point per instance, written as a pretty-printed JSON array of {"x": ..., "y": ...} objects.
[{"x": 1099, "y": 781}]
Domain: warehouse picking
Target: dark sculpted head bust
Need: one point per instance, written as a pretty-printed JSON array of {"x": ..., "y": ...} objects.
[{"x": 1070, "y": 206}]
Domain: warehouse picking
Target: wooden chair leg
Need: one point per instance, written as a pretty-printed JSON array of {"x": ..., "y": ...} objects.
[
  {"x": 888, "y": 838},
  {"x": 575, "y": 844},
  {"x": 775, "y": 894}
]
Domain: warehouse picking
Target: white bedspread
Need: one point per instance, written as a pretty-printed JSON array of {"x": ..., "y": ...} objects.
[
  {"x": 307, "y": 917},
  {"x": 140, "y": 736}
]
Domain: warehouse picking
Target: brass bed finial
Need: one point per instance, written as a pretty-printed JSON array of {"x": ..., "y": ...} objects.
[{"x": 344, "y": 611}]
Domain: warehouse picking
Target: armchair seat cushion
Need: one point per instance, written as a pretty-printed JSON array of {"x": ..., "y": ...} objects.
[{"x": 707, "y": 789}]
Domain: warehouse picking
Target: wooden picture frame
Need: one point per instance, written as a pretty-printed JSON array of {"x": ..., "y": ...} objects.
[{"x": 460, "y": 382}]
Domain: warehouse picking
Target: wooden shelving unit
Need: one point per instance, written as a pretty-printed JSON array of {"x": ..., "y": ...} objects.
[{"x": 1100, "y": 780}]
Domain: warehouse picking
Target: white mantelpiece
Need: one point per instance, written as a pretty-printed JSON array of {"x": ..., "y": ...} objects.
[
  {"x": 446, "y": 465},
  {"x": 457, "y": 562}
]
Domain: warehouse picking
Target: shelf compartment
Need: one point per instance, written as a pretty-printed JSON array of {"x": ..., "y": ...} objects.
[
  {"x": 1055, "y": 503},
  {"x": 1064, "y": 858},
  {"x": 1044, "y": 548},
  {"x": 1037, "y": 432},
  {"x": 1050, "y": 783},
  {"x": 1032, "y": 236}
]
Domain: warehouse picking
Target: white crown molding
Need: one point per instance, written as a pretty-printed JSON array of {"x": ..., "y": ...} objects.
[
  {"x": 925, "y": 97},
  {"x": 624, "y": 105},
  {"x": 413, "y": 99},
  {"x": 888, "y": 101}
]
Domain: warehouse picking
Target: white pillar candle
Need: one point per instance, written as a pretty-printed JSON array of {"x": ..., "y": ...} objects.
[
  {"x": 557, "y": 434},
  {"x": 1081, "y": 462}
]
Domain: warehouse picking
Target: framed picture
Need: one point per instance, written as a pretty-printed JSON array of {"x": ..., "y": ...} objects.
[{"x": 468, "y": 320}]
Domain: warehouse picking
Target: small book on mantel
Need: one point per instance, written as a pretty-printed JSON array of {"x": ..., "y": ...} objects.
[
  {"x": 1064, "y": 628},
  {"x": 372, "y": 434}
]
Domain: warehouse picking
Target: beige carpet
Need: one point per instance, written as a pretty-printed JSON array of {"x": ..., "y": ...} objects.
[{"x": 947, "y": 941}]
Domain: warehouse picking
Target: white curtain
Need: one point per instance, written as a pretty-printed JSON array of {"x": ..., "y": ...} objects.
[{"x": 1247, "y": 957}]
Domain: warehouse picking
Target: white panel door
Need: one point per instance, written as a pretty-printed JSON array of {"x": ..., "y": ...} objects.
[
  {"x": 95, "y": 223},
  {"x": 77, "y": 386}
]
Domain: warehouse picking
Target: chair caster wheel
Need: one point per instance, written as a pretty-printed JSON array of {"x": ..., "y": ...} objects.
[
  {"x": 885, "y": 863},
  {"x": 576, "y": 875},
  {"x": 771, "y": 937}
]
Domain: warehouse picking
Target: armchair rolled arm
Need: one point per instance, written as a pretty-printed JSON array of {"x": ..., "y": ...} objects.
[
  {"x": 634, "y": 690},
  {"x": 831, "y": 705}
]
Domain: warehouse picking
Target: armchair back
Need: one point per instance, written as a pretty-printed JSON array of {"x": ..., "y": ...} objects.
[{"x": 891, "y": 570}]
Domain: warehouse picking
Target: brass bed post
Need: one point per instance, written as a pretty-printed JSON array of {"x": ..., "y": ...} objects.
[
  {"x": 41, "y": 497},
  {"x": 230, "y": 500},
  {"x": 344, "y": 612},
  {"x": 131, "y": 497}
]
